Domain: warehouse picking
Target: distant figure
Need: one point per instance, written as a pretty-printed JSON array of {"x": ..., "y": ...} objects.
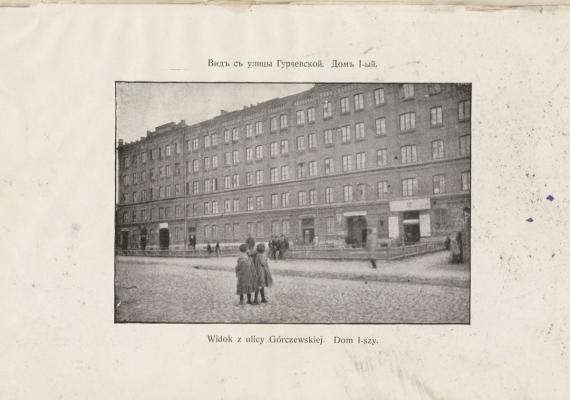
[
  {"x": 371, "y": 240},
  {"x": 245, "y": 275},
  {"x": 271, "y": 249},
  {"x": 283, "y": 246},
  {"x": 250, "y": 241},
  {"x": 447, "y": 242},
  {"x": 456, "y": 248},
  {"x": 263, "y": 276},
  {"x": 192, "y": 241},
  {"x": 209, "y": 249},
  {"x": 218, "y": 251}
]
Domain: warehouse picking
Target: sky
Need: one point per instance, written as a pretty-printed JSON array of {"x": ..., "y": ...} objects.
[{"x": 144, "y": 106}]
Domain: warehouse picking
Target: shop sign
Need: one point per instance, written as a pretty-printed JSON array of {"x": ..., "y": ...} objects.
[
  {"x": 163, "y": 225},
  {"x": 354, "y": 213},
  {"x": 410, "y": 205}
]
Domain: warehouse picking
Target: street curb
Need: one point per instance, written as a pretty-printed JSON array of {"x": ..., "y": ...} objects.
[{"x": 460, "y": 283}]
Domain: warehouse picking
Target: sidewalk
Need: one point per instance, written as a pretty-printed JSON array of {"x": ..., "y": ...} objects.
[{"x": 432, "y": 269}]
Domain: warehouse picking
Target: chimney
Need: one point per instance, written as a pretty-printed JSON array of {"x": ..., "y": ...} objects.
[
  {"x": 222, "y": 112},
  {"x": 120, "y": 142}
]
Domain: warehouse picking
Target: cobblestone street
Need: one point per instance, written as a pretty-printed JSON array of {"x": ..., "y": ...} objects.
[{"x": 175, "y": 292}]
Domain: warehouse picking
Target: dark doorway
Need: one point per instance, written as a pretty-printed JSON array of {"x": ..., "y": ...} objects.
[
  {"x": 124, "y": 240},
  {"x": 356, "y": 231},
  {"x": 411, "y": 227},
  {"x": 163, "y": 238},
  {"x": 308, "y": 230},
  {"x": 143, "y": 238}
]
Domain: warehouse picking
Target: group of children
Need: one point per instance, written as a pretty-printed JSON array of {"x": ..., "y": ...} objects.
[{"x": 253, "y": 274}]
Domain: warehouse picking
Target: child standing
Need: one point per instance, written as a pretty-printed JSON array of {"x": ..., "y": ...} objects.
[
  {"x": 245, "y": 275},
  {"x": 263, "y": 276}
]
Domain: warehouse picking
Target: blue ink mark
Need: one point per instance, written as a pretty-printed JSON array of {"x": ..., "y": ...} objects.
[
  {"x": 529, "y": 220},
  {"x": 550, "y": 197}
]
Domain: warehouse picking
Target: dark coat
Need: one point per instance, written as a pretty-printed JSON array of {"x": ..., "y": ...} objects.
[
  {"x": 245, "y": 275},
  {"x": 263, "y": 277}
]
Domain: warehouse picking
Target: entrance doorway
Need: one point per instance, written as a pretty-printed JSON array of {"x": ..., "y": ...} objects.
[
  {"x": 356, "y": 231},
  {"x": 143, "y": 238},
  {"x": 125, "y": 240},
  {"x": 164, "y": 238},
  {"x": 308, "y": 229},
  {"x": 411, "y": 227}
]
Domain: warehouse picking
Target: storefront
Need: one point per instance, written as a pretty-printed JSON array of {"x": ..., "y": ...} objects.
[{"x": 410, "y": 220}]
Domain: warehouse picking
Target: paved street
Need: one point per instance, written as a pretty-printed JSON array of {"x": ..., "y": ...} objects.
[{"x": 174, "y": 291}]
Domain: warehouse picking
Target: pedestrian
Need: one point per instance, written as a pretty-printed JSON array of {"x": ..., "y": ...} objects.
[
  {"x": 371, "y": 241},
  {"x": 209, "y": 249},
  {"x": 263, "y": 276},
  {"x": 218, "y": 251},
  {"x": 447, "y": 242},
  {"x": 283, "y": 247},
  {"x": 244, "y": 275},
  {"x": 455, "y": 250},
  {"x": 250, "y": 241}
]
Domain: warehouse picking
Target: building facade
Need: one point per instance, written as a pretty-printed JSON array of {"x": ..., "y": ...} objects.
[{"x": 322, "y": 165}]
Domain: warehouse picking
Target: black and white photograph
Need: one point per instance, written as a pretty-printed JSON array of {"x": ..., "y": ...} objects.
[{"x": 310, "y": 203}]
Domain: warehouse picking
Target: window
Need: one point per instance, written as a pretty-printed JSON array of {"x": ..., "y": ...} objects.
[
  {"x": 464, "y": 145},
  {"x": 249, "y": 154},
  {"x": 259, "y": 228},
  {"x": 274, "y": 175},
  {"x": 207, "y": 163},
  {"x": 380, "y": 126},
  {"x": 312, "y": 197},
  {"x": 407, "y": 122},
  {"x": 135, "y": 178},
  {"x": 235, "y": 180},
  {"x": 285, "y": 227},
  {"x": 207, "y": 186},
  {"x": 214, "y": 207},
  {"x": 434, "y": 88},
  {"x": 235, "y": 134},
  {"x": 161, "y": 192},
  {"x": 259, "y": 203},
  {"x": 227, "y": 206},
  {"x": 258, "y": 128},
  {"x": 214, "y": 139},
  {"x": 409, "y": 187},
  {"x": 195, "y": 165},
  {"x": 438, "y": 184},
  {"x": 436, "y": 116},
  {"x": 311, "y": 114},
  {"x": 227, "y": 136},
  {"x": 206, "y": 141},
  {"x": 346, "y": 163},
  {"x": 259, "y": 177},
  {"x": 227, "y": 182},
  {"x": 466, "y": 181},
  {"x": 284, "y": 146},
  {"x": 236, "y": 230},
  {"x": 195, "y": 187},
  {"x": 258, "y": 152},
  {"x": 329, "y": 195},
  {"x": 344, "y": 105},
  {"x": 302, "y": 197},
  {"x": 168, "y": 170},
  {"x": 188, "y": 147},
  {"x": 214, "y": 162},
  {"x": 274, "y": 201},
  {"x": 381, "y": 158},
  {"x": 195, "y": 144},
  {"x": 345, "y": 134},
  {"x": 285, "y": 200},
  {"x": 330, "y": 225},
  {"x": 195, "y": 209},
  {"x": 360, "y": 160},
  {"x": 379, "y": 97},
  {"x": 284, "y": 172},
  {"x": 249, "y": 178},
  {"x": 327, "y": 109},
  {"x": 188, "y": 168},
  {"x": 347, "y": 192},
  {"x": 361, "y": 191},
  {"x": 187, "y": 188},
  {"x": 143, "y": 156},
  {"x": 383, "y": 190},
  {"x": 358, "y": 102},
  {"x": 188, "y": 210},
  {"x": 227, "y": 158},
  {"x": 176, "y": 190},
  {"x": 168, "y": 151},
  {"x": 312, "y": 141},
  {"x": 300, "y": 143},
  {"x": 409, "y": 154},
  {"x": 283, "y": 121},
  {"x": 273, "y": 125},
  {"x": 328, "y": 137},
  {"x": 300, "y": 117},
  {"x": 236, "y": 205},
  {"x": 250, "y": 228},
  {"x": 273, "y": 150},
  {"x": 464, "y": 110},
  {"x": 207, "y": 208},
  {"x": 248, "y": 131},
  {"x": 360, "y": 132},
  {"x": 329, "y": 166},
  {"x": 235, "y": 157},
  {"x": 250, "y": 204},
  {"x": 312, "y": 168},
  {"x": 437, "y": 149},
  {"x": 301, "y": 170},
  {"x": 407, "y": 91}
]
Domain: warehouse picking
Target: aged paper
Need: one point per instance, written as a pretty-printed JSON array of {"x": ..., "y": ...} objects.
[{"x": 59, "y": 69}]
